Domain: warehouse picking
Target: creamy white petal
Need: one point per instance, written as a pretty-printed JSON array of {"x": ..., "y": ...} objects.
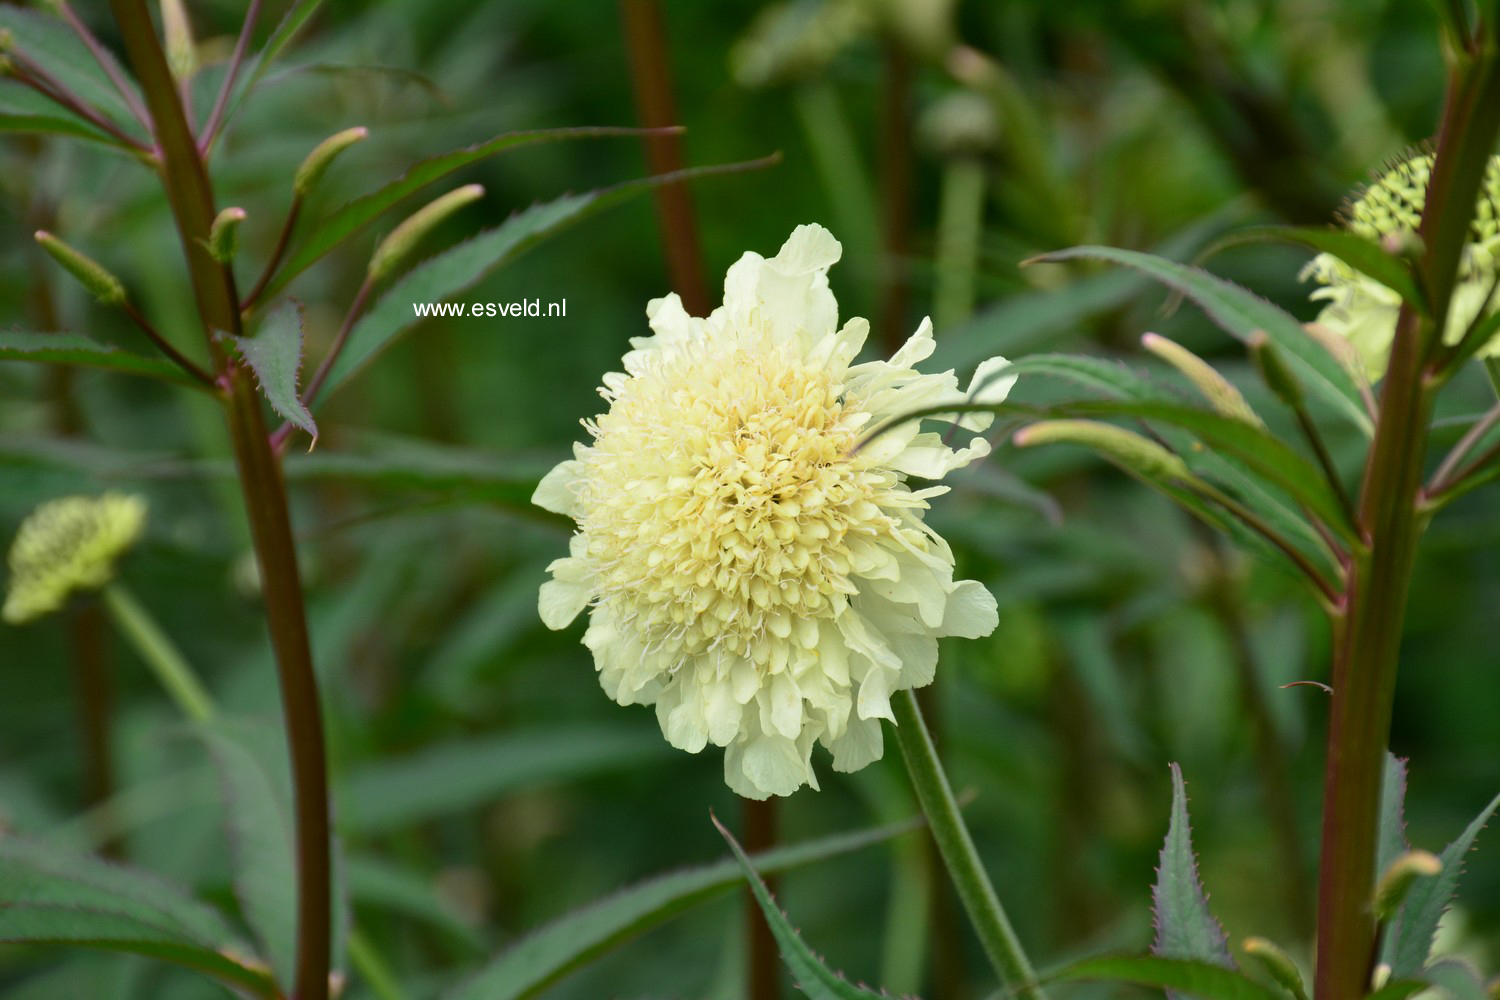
[
  {"x": 971, "y": 611},
  {"x": 861, "y": 745}
]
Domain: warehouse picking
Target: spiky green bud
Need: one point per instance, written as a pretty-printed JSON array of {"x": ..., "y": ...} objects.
[
  {"x": 101, "y": 284},
  {"x": 316, "y": 164},
  {"x": 404, "y": 238},
  {"x": 67, "y": 545},
  {"x": 1221, "y": 393},
  {"x": 1391, "y": 890},
  {"x": 1278, "y": 964},
  {"x": 1126, "y": 447},
  {"x": 224, "y": 235}
]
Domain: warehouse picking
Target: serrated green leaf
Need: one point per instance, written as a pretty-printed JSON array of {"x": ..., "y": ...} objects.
[
  {"x": 262, "y": 845},
  {"x": 359, "y": 213},
  {"x": 1197, "y": 977},
  {"x": 1365, "y": 256},
  {"x": 809, "y": 971},
  {"x": 1409, "y": 940},
  {"x": 51, "y": 897},
  {"x": 275, "y": 355},
  {"x": 555, "y": 949},
  {"x": 1184, "y": 926},
  {"x": 1392, "y": 842},
  {"x": 76, "y": 349},
  {"x": 50, "y": 42},
  {"x": 465, "y": 774},
  {"x": 1241, "y": 313},
  {"x": 455, "y": 269}
]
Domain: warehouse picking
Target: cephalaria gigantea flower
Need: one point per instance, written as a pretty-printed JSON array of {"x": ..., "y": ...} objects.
[
  {"x": 1363, "y": 310},
  {"x": 67, "y": 545},
  {"x": 753, "y": 567}
]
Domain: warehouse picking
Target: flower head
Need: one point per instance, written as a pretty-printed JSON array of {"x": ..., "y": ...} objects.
[
  {"x": 752, "y": 570},
  {"x": 66, "y": 545},
  {"x": 1389, "y": 211}
]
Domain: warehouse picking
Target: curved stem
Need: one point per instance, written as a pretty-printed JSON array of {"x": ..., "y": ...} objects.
[
  {"x": 236, "y": 60},
  {"x": 252, "y": 296},
  {"x": 165, "y": 346},
  {"x": 975, "y": 890},
  {"x": 1446, "y": 474},
  {"x": 1255, "y": 523},
  {"x": 159, "y": 652},
  {"x": 38, "y": 79},
  {"x": 106, "y": 63}
]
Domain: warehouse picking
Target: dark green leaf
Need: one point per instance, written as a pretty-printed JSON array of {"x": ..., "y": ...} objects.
[
  {"x": 1410, "y": 937},
  {"x": 1392, "y": 843},
  {"x": 53, "y": 125},
  {"x": 464, "y": 774},
  {"x": 809, "y": 971},
  {"x": 275, "y": 355},
  {"x": 76, "y": 349},
  {"x": 1203, "y": 979},
  {"x": 1365, "y": 256},
  {"x": 359, "y": 213},
  {"x": 1242, "y": 313},
  {"x": 553, "y": 950},
  {"x": 50, "y": 42},
  {"x": 1184, "y": 926},
  {"x": 51, "y": 897}
]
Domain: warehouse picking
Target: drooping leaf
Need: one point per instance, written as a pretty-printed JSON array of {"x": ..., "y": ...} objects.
[
  {"x": 1184, "y": 926},
  {"x": 359, "y": 213},
  {"x": 275, "y": 355},
  {"x": 466, "y": 773},
  {"x": 52, "y": 897},
  {"x": 1241, "y": 313},
  {"x": 1206, "y": 980},
  {"x": 1392, "y": 842},
  {"x": 1365, "y": 256},
  {"x": 810, "y": 972},
  {"x": 76, "y": 349},
  {"x": 555, "y": 949},
  {"x": 1409, "y": 939},
  {"x": 455, "y": 269},
  {"x": 50, "y": 42}
]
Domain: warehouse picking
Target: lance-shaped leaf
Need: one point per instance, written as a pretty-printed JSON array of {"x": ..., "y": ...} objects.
[
  {"x": 571, "y": 941},
  {"x": 275, "y": 355},
  {"x": 1241, "y": 313},
  {"x": 52, "y": 897},
  {"x": 1199, "y": 978},
  {"x": 809, "y": 971},
  {"x": 1365, "y": 256},
  {"x": 76, "y": 349},
  {"x": 1184, "y": 926},
  {"x": 1391, "y": 842},
  {"x": 1409, "y": 940},
  {"x": 48, "y": 41}
]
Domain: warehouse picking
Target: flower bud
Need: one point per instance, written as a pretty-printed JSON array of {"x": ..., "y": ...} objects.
[
  {"x": 1278, "y": 964},
  {"x": 404, "y": 238},
  {"x": 1130, "y": 449},
  {"x": 1391, "y": 890},
  {"x": 103, "y": 285},
  {"x": 1273, "y": 370},
  {"x": 224, "y": 236},
  {"x": 321, "y": 158},
  {"x": 182, "y": 53},
  {"x": 1218, "y": 390},
  {"x": 66, "y": 545}
]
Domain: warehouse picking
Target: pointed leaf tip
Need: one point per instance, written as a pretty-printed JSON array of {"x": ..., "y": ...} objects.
[
  {"x": 275, "y": 355},
  {"x": 1184, "y": 926}
]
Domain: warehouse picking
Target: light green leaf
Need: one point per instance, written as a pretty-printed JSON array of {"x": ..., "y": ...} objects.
[
  {"x": 465, "y": 774},
  {"x": 812, "y": 975},
  {"x": 275, "y": 355},
  {"x": 1184, "y": 926},
  {"x": 1241, "y": 313},
  {"x": 360, "y": 212},
  {"x": 1197, "y": 977},
  {"x": 52, "y": 897},
  {"x": 76, "y": 349},
  {"x": 555, "y": 949},
  {"x": 1409, "y": 940},
  {"x": 50, "y": 42},
  {"x": 1365, "y": 256},
  {"x": 1392, "y": 841}
]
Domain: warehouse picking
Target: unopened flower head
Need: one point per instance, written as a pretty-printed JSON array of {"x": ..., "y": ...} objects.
[
  {"x": 1389, "y": 211},
  {"x": 66, "y": 545},
  {"x": 751, "y": 569}
]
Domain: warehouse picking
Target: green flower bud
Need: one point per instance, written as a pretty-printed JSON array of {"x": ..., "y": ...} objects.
[
  {"x": 1278, "y": 964},
  {"x": 404, "y": 238},
  {"x": 321, "y": 158},
  {"x": 1218, "y": 390},
  {"x": 1391, "y": 890},
  {"x": 1126, "y": 447},
  {"x": 67, "y": 545},
  {"x": 90, "y": 273},
  {"x": 224, "y": 236},
  {"x": 182, "y": 53},
  {"x": 960, "y": 124},
  {"x": 1273, "y": 370}
]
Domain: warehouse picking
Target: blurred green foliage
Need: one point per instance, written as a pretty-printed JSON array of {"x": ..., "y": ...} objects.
[{"x": 484, "y": 783}]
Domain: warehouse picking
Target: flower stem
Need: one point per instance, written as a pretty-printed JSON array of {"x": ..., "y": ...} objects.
[
  {"x": 996, "y": 935},
  {"x": 960, "y": 219},
  {"x": 159, "y": 652},
  {"x": 1367, "y": 637}
]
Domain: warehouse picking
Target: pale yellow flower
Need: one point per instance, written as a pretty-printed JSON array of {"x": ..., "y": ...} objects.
[
  {"x": 762, "y": 581},
  {"x": 67, "y": 545},
  {"x": 1365, "y": 311}
]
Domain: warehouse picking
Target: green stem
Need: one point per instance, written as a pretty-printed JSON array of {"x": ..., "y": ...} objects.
[
  {"x": 1367, "y": 638},
  {"x": 159, "y": 652},
  {"x": 836, "y": 157},
  {"x": 960, "y": 215},
  {"x": 996, "y": 935},
  {"x": 373, "y": 968},
  {"x": 186, "y": 182}
]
